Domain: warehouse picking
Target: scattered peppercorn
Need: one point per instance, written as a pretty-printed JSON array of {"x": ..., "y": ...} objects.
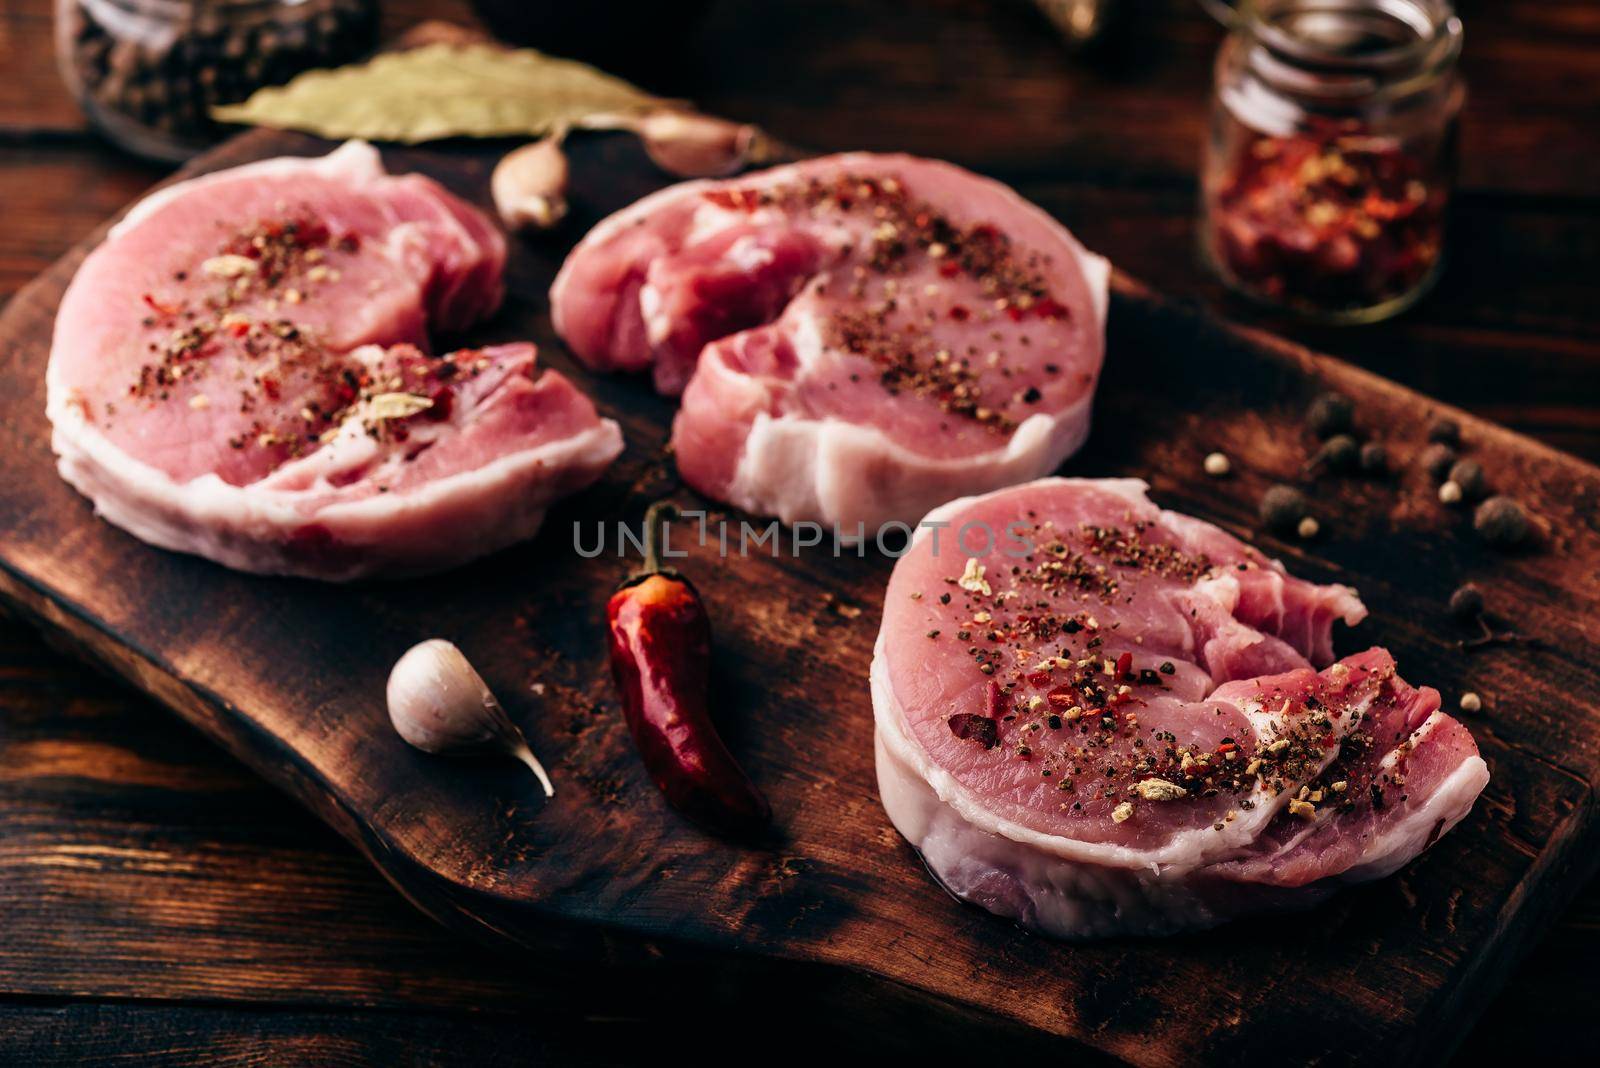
[
  {"x": 1501, "y": 522},
  {"x": 1217, "y": 465},
  {"x": 1282, "y": 507},
  {"x": 1330, "y": 414},
  {"x": 1437, "y": 460},
  {"x": 1471, "y": 702},
  {"x": 1374, "y": 458},
  {"x": 1445, "y": 432},
  {"x": 1450, "y": 493},
  {"x": 1340, "y": 453},
  {"x": 1468, "y": 474},
  {"x": 1308, "y": 528},
  {"x": 1466, "y": 604}
]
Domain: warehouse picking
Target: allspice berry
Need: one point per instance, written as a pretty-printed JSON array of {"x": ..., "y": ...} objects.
[
  {"x": 1501, "y": 522},
  {"x": 1339, "y": 453},
  {"x": 1437, "y": 459},
  {"x": 1330, "y": 414},
  {"x": 1468, "y": 474},
  {"x": 1282, "y": 507},
  {"x": 1466, "y": 604},
  {"x": 1445, "y": 432},
  {"x": 1374, "y": 458}
]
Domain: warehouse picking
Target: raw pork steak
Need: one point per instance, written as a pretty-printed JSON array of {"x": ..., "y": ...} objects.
[
  {"x": 857, "y": 338},
  {"x": 1118, "y": 726},
  {"x": 241, "y": 371}
]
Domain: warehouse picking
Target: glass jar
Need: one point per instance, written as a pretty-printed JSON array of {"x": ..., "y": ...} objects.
[
  {"x": 147, "y": 72},
  {"x": 1331, "y": 154}
]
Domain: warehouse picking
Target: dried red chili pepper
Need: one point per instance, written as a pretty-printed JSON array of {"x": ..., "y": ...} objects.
[{"x": 660, "y": 645}]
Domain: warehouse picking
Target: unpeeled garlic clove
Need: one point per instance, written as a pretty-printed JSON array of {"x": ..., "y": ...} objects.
[
  {"x": 691, "y": 145},
  {"x": 439, "y": 703},
  {"x": 529, "y": 186}
]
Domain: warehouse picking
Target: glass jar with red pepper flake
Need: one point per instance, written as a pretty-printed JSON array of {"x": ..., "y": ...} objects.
[{"x": 1331, "y": 155}]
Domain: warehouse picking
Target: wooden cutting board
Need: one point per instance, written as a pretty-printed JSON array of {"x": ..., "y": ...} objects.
[{"x": 837, "y": 915}]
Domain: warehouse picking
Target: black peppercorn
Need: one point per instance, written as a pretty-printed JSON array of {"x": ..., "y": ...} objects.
[
  {"x": 1374, "y": 458},
  {"x": 1445, "y": 432},
  {"x": 1330, "y": 414},
  {"x": 1468, "y": 474},
  {"x": 1501, "y": 522},
  {"x": 1466, "y": 604},
  {"x": 1437, "y": 459},
  {"x": 1282, "y": 507}
]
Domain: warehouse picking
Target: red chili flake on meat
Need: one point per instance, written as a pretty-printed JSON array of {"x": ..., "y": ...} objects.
[
  {"x": 1046, "y": 308},
  {"x": 158, "y": 307},
  {"x": 310, "y": 233},
  {"x": 959, "y": 313},
  {"x": 1227, "y": 747},
  {"x": 1124, "y": 664},
  {"x": 980, "y": 729},
  {"x": 739, "y": 200},
  {"x": 949, "y": 268},
  {"x": 443, "y": 398},
  {"x": 238, "y": 329},
  {"x": 269, "y": 386},
  {"x": 1039, "y": 678}
]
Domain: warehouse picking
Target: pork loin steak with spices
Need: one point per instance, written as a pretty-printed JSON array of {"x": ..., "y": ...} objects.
[
  {"x": 1110, "y": 720},
  {"x": 857, "y": 338},
  {"x": 241, "y": 371}
]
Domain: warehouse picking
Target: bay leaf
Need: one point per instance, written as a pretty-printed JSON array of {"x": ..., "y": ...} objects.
[{"x": 442, "y": 90}]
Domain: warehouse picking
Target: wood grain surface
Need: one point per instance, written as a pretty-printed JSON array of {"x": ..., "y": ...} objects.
[
  {"x": 288, "y": 675},
  {"x": 139, "y": 888}
]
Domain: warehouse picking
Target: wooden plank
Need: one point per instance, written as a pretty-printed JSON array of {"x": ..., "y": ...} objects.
[
  {"x": 72, "y": 1034},
  {"x": 288, "y": 675}
]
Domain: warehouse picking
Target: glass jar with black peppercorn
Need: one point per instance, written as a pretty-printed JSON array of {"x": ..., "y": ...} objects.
[
  {"x": 1331, "y": 155},
  {"x": 147, "y": 72}
]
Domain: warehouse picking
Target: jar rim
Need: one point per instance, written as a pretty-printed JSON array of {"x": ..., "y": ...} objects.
[
  {"x": 1302, "y": 63},
  {"x": 1434, "y": 26}
]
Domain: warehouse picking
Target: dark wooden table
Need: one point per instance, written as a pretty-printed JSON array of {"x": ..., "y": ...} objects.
[{"x": 158, "y": 900}]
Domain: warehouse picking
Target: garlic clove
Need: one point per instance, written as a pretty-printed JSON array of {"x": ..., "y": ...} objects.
[
  {"x": 529, "y": 186},
  {"x": 440, "y": 704},
  {"x": 691, "y": 145}
]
